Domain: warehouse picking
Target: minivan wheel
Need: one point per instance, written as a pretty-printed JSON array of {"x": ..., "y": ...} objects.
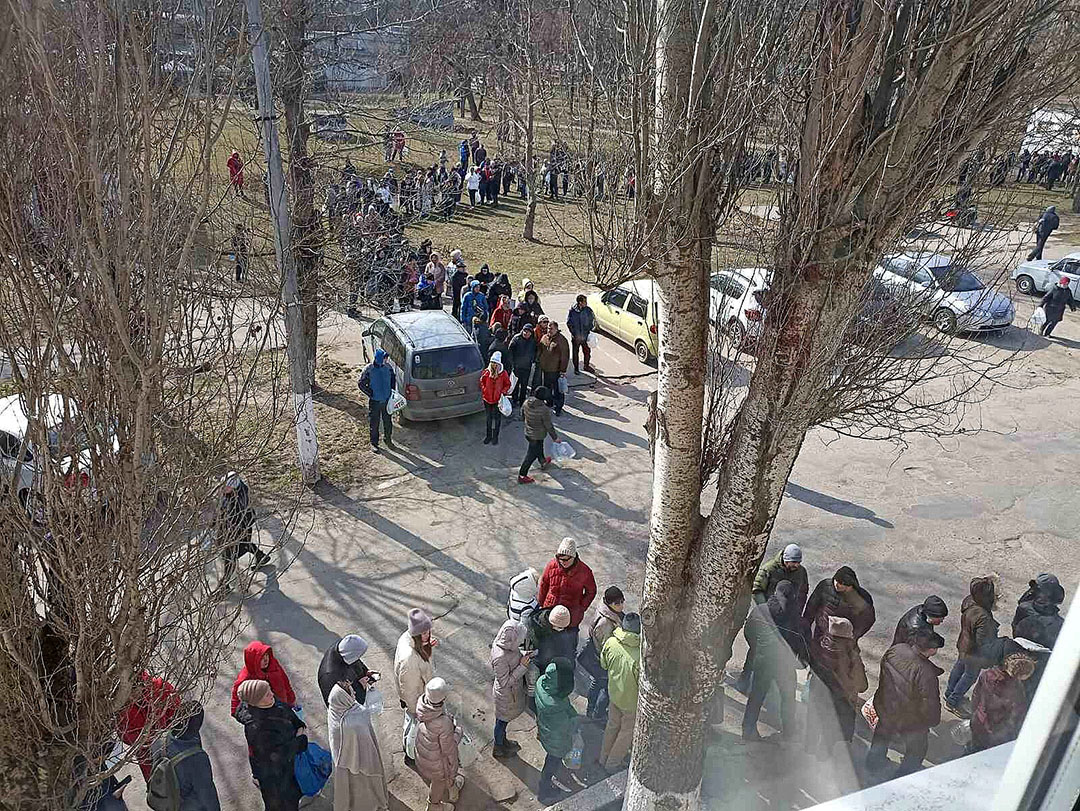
[
  {"x": 945, "y": 321},
  {"x": 641, "y": 349},
  {"x": 1025, "y": 284}
]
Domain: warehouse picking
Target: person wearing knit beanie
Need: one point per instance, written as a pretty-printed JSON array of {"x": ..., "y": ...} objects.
[
  {"x": 559, "y": 617},
  {"x": 419, "y": 622},
  {"x": 436, "y": 690},
  {"x": 567, "y": 548},
  {"x": 256, "y": 692}
]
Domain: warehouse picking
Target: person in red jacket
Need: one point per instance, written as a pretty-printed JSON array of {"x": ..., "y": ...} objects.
[
  {"x": 236, "y": 172},
  {"x": 502, "y": 313},
  {"x": 494, "y": 383},
  {"x": 260, "y": 663},
  {"x": 567, "y": 581},
  {"x": 154, "y": 702}
]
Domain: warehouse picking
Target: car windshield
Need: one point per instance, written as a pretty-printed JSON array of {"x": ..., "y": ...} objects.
[
  {"x": 956, "y": 280},
  {"x": 452, "y": 361}
]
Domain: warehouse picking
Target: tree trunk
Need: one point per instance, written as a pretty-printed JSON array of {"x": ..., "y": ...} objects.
[
  {"x": 528, "y": 168},
  {"x": 307, "y": 235},
  {"x": 470, "y": 98}
]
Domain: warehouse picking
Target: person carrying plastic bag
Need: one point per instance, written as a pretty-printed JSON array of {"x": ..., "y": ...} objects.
[
  {"x": 494, "y": 386},
  {"x": 378, "y": 381}
]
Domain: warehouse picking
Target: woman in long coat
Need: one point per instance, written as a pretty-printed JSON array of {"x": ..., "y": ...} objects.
[
  {"x": 509, "y": 691},
  {"x": 359, "y": 777}
]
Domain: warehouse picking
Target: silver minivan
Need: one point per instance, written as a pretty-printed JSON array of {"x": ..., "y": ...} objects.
[{"x": 438, "y": 364}]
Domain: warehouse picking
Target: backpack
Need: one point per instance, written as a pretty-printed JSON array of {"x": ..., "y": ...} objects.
[{"x": 163, "y": 787}]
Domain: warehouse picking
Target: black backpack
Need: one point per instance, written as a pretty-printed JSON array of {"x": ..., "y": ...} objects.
[{"x": 163, "y": 787}]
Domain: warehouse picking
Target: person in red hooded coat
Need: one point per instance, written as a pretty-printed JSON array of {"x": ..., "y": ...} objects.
[
  {"x": 154, "y": 702},
  {"x": 236, "y": 172},
  {"x": 260, "y": 664}
]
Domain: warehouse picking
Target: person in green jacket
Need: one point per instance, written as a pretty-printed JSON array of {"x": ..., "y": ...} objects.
[
  {"x": 621, "y": 658},
  {"x": 556, "y": 723},
  {"x": 784, "y": 565}
]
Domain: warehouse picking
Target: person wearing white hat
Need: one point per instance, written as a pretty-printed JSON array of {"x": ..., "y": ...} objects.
[
  {"x": 437, "y": 742},
  {"x": 494, "y": 385}
]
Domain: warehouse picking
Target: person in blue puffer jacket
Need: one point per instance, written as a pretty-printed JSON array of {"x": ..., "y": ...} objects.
[
  {"x": 474, "y": 304},
  {"x": 377, "y": 381}
]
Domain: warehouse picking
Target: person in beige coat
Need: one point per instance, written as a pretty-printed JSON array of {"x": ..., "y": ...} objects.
[
  {"x": 414, "y": 667},
  {"x": 509, "y": 690},
  {"x": 437, "y": 747}
]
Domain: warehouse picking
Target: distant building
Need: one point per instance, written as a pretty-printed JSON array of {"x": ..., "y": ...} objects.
[
  {"x": 354, "y": 62},
  {"x": 1053, "y": 129}
]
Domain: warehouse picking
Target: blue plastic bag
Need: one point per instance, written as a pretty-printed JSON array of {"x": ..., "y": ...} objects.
[{"x": 312, "y": 768}]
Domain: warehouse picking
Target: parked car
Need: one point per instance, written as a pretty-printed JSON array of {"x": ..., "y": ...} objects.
[
  {"x": 64, "y": 434},
  {"x": 951, "y": 296},
  {"x": 630, "y": 313},
  {"x": 736, "y": 298},
  {"x": 1040, "y": 275},
  {"x": 438, "y": 364}
]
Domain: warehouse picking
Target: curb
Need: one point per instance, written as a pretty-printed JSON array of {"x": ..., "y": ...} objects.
[{"x": 607, "y": 795}]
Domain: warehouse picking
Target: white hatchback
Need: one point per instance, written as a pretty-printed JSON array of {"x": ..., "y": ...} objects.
[
  {"x": 1040, "y": 275},
  {"x": 735, "y": 303}
]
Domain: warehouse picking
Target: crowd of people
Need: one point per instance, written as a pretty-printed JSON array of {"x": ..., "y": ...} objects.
[
  {"x": 788, "y": 630},
  {"x": 537, "y": 650},
  {"x": 1044, "y": 167}
]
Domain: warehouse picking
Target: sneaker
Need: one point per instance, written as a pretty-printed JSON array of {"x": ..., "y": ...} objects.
[
  {"x": 751, "y": 736},
  {"x": 487, "y": 440},
  {"x": 494, "y": 440},
  {"x": 577, "y": 371},
  {"x": 958, "y": 710},
  {"x": 261, "y": 559},
  {"x": 374, "y": 448},
  {"x": 590, "y": 368},
  {"x": 501, "y": 752},
  {"x": 526, "y": 480},
  {"x": 512, "y": 745}
]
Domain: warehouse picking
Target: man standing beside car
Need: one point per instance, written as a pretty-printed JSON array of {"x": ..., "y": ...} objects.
[
  {"x": 1054, "y": 303},
  {"x": 1047, "y": 224},
  {"x": 581, "y": 321},
  {"x": 378, "y": 381}
]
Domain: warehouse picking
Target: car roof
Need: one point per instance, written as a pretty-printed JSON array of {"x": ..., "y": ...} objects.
[
  {"x": 14, "y": 420},
  {"x": 925, "y": 260},
  {"x": 429, "y": 329},
  {"x": 646, "y": 288}
]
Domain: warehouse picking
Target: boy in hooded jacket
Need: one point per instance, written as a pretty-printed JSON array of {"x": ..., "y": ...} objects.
[{"x": 556, "y": 723}]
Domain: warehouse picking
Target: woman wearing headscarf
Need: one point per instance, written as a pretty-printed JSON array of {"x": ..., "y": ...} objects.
[
  {"x": 510, "y": 691},
  {"x": 556, "y": 722},
  {"x": 773, "y": 630},
  {"x": 1000, "y": 702},
  {"x": 342, "y": 662},
  {"x": 531, "y": 300},
  {"x": 494, "y": 383},
  {"x": 275, "y": 736},
  {"x": 838, "y": 677},
  {"x": 359, "y": 777},
  {"x": 501, "y": 287},
  {"x": 260, "y": 663}
]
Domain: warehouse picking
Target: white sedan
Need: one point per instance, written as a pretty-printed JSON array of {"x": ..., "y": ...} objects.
[{"x": 952, "y": 297}]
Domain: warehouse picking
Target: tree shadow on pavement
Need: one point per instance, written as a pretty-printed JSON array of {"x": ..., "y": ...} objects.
[
  {"x": 487, "y": 586},
  {"x": 837, "y": 506}
]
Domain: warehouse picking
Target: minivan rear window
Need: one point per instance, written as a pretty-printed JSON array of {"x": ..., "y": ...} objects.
[{"x": 451, "y": 361}]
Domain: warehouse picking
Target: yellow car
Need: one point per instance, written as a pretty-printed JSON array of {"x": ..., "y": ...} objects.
[{"x": 630, "y": 313}]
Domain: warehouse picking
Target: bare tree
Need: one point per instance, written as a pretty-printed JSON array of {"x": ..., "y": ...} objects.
[
  {"x": 878, "y": 106},
  {"x": 138, "y": 376}
]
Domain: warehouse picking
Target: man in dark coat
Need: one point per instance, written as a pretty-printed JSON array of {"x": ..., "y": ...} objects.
[
  {"x": 235, "y": 523},
  {"x": 1054, "y": 303},
  {"x": 521, "y": 354},
  {"x": 773, "y": 630},
  {"x": 581, "y": 321},
  {"x": 978, "y": 645},
  {"x": 193, "y": 772},
  {"x": 838, "y": 596},
  {"x": 1038, "y": 615},
  {"x": 1047, "y": 224},
  {"x": 342, "y": 662},
  {"x": 922, "y": 618},
  {"x": 458, "y": 279},
  {"x": 907, "y": 702}
]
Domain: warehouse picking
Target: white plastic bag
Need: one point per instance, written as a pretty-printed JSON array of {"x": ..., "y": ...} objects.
[
  {"x": 561, "y": 451},
  {"x": 574, "y": 758},
  {"x": 1038, "y": 319},
  {"x": 564, "y": 385},
  {"x": 395, "y": 403},
  {"x": 513, "y": 381},
  {"x": 961, "y": 733},
  {"x": 592, "y": 340},
  {"x": 468, "y": 751},
  {"x": 409, "y": 729},
  {"x": 373, "y": 701},
  {"x": 506, "y": 408}
]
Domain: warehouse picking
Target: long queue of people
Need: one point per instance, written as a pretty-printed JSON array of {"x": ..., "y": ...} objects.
[{"x": 788, "y": 629}]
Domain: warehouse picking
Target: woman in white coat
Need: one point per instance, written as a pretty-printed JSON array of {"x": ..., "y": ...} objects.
[{"x": 359, "y": 778}]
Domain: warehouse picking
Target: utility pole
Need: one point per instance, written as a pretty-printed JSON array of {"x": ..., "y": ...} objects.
[{"x": 306, "y": 439}]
